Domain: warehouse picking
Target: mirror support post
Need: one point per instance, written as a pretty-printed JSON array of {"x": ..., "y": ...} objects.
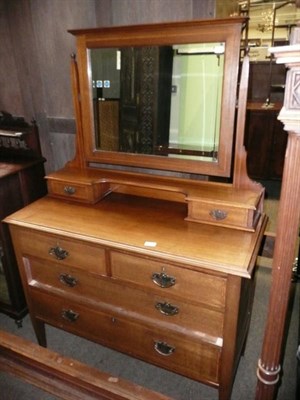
[
  {"x": 78, "y": 161},
  {"x": 240, "y": 175}
]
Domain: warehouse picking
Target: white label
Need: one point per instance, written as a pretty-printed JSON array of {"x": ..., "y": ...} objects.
[
  {"x": 118, "y": 66},
  {"x": 150, "y": 244}
]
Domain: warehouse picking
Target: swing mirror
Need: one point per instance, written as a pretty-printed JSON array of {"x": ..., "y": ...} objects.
[{"x": 163, "y": 101}]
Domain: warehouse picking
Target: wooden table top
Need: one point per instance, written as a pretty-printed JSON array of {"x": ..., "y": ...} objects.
[{"x": 147, "y": 226}]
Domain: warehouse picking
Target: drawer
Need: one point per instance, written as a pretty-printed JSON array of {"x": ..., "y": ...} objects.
[
  {"x": 88, "y": 192},
  {"x": 176, "y": 352},
  {"x": 70, "y": 252},
  {"x": 143, "y": 305},
  {"x": 187, "y": 284},
  {"x": 239, "y": 217}
]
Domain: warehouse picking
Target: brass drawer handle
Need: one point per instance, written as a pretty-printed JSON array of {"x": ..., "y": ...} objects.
[
  {"x": 69, "y": 190},
  {"x": 68, "y": 280},
  {"x": 163, "y": 280},
  {"x": 167, "y": 308},
  {"x": 163, "y": 348},
  {"x": 218, "y": 214},
  {"x": 58, "y": 253},
  {"x": 70, "y": 315}
]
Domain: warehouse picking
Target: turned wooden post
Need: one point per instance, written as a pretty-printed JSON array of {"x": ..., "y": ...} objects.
[{"x": 269, "y": 364}]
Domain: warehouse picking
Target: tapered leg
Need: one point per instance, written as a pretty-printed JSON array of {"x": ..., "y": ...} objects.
[{"x": 40, "y": 331}]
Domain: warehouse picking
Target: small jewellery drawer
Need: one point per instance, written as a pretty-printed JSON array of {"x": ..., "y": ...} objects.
[
  {"x": 70, "y": 190},
  {"x": 188, "y": 284},
  {"x": 65, "y": 251},
  {"x": 199, "y": 321},
  {"x": 239, "y": 217},
  {"x": 88, "y": 192},
  {"x": 194, "y": 359}
]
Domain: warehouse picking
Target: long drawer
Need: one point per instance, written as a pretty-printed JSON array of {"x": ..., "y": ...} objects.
[
  {"x": 187, "y": 284},
  {"x": 179, "y": 353},
  {"x": 144, "y": 305}
]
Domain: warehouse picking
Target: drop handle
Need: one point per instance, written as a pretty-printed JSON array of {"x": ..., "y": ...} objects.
[
  {"x": 58, "y": 253},
  {"x": 167, "y": 308},
  {"x": 218, "y": 215},
  {"x": 163, "y": 348},
  {"x": 69, "y": 190},
  {"x": 163, "y": 280},
  {"x": 70, "y": 315},
  {"x": 68, "y": 280}
]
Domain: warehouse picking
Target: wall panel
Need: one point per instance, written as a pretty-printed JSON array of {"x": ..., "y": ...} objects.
[
  {"x": 23, "y": 50},
  {"x": 9, "y": 83},
  {"x": 148, "y": 11},
  {"x": 52, "y": 19},
  {"x": 35, "y": 71}
]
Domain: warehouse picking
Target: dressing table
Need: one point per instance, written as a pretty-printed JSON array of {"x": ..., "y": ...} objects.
[{"x": 147, "y": 242}]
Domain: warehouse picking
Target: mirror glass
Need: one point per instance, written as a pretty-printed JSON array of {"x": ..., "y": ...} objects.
[{"x": 159, "y": 100}]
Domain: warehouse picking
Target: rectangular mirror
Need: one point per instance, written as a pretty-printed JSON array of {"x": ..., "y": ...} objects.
[
  {"x": 161, "y": 100},
  {"x": 177, "y": 126}
]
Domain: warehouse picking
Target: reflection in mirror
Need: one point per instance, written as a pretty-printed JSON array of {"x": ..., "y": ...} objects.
[
  {"x": 144, "y": 99},
  {"x": 106, "y": 97}
]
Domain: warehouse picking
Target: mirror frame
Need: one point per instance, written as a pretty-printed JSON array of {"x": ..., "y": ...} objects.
[{"x": 195, "y": 31}]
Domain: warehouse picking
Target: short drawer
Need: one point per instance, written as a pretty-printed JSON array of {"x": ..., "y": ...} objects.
[
  {"x": 87, "y": 192},
  {"x": 192, "y": 285},
  {"x": 224, "y": 215},
  {"x": 199, "y": 321},
  {"x": 65, "y": 251},
  {"x": 195, "y": 359},
  {"x": 70, "y": 190}
]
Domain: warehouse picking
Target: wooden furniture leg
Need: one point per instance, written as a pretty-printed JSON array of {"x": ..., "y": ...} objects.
[{"x": 40, "y": 331}]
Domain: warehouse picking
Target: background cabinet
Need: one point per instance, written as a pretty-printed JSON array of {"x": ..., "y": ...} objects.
[
  {"x": 265, "y": 141},
  {"x": 21, "y": 182}
]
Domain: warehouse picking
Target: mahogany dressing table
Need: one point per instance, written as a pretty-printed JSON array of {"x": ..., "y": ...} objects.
[{"x": 147, "y": 242}]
